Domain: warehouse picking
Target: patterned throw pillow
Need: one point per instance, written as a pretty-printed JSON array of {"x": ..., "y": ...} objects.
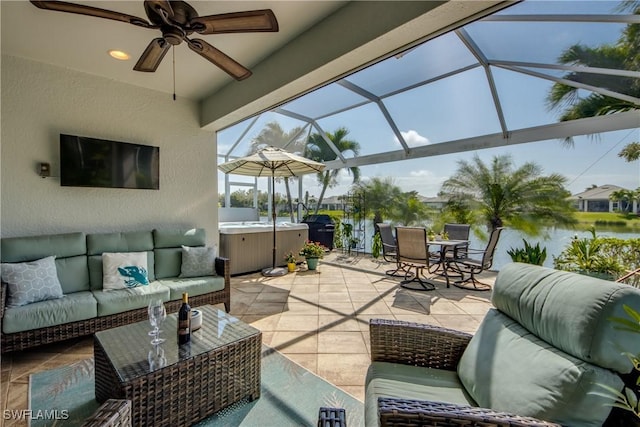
[
  {"x": 124, "y": 270},
  {"x": 198, "y": 261},
  {"x": 31, "y": 281}
]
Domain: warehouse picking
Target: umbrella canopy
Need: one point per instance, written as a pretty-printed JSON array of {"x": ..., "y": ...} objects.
[{"x": 271, "y": 161}]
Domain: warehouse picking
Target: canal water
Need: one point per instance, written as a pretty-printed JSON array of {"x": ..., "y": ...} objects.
[{"x": 554, "y": 239}]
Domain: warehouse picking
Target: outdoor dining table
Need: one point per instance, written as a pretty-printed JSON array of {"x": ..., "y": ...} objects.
[{"x": 445, "y": 245}]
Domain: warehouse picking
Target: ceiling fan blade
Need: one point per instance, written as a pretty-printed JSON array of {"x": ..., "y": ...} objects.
[
  {"x": 152, "y": 55},
  {"x": 63, "y": 6},
  {"x": 236, "y": 22},
  {"x": 215, "y": 56}
]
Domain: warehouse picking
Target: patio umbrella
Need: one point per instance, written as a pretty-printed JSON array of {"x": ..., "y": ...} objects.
[{"x": 272, "y": 161}]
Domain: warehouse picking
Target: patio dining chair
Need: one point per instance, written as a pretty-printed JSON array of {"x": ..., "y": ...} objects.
[
  {"x": 475, "y": 262},
  {"x": 457, "y": 232},
  {"x": 413, "y": 253},
  {"x": 389, "y": 249}
]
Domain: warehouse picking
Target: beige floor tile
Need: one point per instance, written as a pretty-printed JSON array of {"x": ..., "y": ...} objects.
[
  {"x": 270, "y": 296},
  {"x": 371, "y": 308},
  {"x": 463, "y": 323},
  {"x": 261, "y": 322},
  {"x": 344, "y": 369},
  {"x": 364, "y": 295},
  {"x": 333, "y": 287},
  {"x": 341, "y": 342},
  {"x": 297, "y": 323},
  {"x": 445, "y": 307},
  {"x": 266, "y": 308},
  {"x": 419, "y": 318},
  {"x": 342, "y": 308},
  {"x": 334, "y": 322},
  {"x": 294, "y": 307},
  {"x": 295, "y": 342},
  {"x": 473, "y": 308},
  {"x": 333, "y": 297}
]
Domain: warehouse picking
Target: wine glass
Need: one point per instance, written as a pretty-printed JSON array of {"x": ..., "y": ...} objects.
[
  {"x": 156, "y": 358},
  {"x": 157, "y": 314}
]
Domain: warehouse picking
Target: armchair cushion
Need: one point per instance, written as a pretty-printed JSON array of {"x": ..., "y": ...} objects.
[
  {"x": 496, "y": 370},
  {"x": 410, "y": 382},
  {"x": 536, "y": 297}
]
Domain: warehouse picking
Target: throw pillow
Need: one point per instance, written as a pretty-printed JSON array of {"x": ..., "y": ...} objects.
[
  {"x": 31, "y": 281},
  {"x": 124, "y": 270},
  {"x": 198, "y": 261}
]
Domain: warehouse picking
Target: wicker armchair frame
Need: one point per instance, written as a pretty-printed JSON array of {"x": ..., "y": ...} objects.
[
  {"x": 430, "y": 346},
  {"x": 36, "y": 337}
]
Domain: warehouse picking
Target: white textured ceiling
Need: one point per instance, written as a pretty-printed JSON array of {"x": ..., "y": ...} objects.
[{"x": 81, "y": 42}]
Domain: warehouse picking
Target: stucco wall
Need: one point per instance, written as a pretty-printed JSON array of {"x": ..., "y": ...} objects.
[{"x": 41, "y": 101}]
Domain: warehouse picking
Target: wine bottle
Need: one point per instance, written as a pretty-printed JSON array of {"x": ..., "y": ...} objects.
[{"x": 184, "y": 321}]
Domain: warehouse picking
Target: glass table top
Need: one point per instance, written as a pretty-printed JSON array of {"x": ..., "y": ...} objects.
[{"x": 130, "y": 350}]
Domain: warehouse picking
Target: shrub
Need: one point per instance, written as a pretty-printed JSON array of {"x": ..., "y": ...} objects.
[{"x": 529, "y": 254}]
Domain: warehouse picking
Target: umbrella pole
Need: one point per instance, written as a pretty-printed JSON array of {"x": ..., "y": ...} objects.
[
  {"x": 273, "y": 215},
  {"x": 273, "y": 271}
]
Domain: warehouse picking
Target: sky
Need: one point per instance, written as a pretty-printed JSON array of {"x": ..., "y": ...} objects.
[{"x": 461, "y": 106}]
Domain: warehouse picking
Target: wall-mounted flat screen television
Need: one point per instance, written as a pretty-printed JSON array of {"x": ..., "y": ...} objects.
[{"x": 91, "y": 162}]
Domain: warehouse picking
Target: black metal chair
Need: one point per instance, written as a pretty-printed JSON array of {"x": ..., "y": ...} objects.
[
  {"x": 471, "y": 265},
  {"x": 390, "y": 249},
  {"x": 457, "y": 232},
  {"x": 413, "y": 253}
]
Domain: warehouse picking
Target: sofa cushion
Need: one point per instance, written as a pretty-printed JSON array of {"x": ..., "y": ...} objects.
[
  {"x": 194, "y": 286},
  {"x": 177, "y": 238},
  {"x": 95, "y": 269},
  {"x": 169, "y": 262},
  {"x": 69, "y": 249},
  {"x": 506, "y": 368},
  {"x": 197, "y": 262},
  {"x": 119, "y": 301},
  {"x": 410, "y": 382},
  {"x": 122, "y": 270},
  {"x": 129, "y": 241},
  {"x": 537, "y": 298},
  {"x": 71, "y": 308},
  {"x": 31, "y": 281},
  {"x": 73, "y": 273},
  {"x": 18, "y": 249}
]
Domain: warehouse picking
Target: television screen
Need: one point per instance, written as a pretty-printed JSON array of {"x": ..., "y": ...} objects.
[{"x": 90, "y": 162}]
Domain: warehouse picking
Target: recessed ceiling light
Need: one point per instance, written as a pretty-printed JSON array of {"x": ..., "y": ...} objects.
[{"x": 118, "y": 54}]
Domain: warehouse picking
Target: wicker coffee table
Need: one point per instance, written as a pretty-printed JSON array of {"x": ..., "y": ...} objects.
[{"x": 220, "y": 366}]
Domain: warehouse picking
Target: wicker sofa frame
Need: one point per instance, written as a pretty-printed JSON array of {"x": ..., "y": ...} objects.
[
  {"x": 36, "y": 337},
  {"x": 430, "y": 346}
]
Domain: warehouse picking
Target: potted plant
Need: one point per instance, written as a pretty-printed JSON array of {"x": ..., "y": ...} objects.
[
  {"x": 290, "y": 259},
  {"x": 312, "y": 251}
]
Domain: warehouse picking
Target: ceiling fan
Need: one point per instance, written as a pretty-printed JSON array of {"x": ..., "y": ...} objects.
[{"x": 177, "y": 20}]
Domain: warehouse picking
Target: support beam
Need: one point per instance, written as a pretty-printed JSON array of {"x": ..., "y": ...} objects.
[{"x": 592, "y": 125}]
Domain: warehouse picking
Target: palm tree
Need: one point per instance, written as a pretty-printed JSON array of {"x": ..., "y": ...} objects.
[
  {"x": 504, "y": 195},
  {"x": 381, "y": 195},
  {"x": 623, "y": 197},
  {"x": 410, "y": 210},
  {"x": 318, "y": 150},
  {"x": 624, "y": 55},
  {"x": 273, "y": 134}
]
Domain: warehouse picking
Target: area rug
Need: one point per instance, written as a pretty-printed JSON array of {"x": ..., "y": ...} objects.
[{"x": 290, "y": 396}]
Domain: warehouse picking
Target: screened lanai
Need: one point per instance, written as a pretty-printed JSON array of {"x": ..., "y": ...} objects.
[{"x": 482, "y": 88}]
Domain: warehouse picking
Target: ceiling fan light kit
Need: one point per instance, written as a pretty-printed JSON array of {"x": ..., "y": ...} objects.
[{"x": 177, "y": 20}]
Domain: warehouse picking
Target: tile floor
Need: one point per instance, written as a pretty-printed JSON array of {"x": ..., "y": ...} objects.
[{"x": 317, "y": 318}]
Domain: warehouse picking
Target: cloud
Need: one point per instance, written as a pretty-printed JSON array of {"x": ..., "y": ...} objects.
[{"x": 412, "y": 138}]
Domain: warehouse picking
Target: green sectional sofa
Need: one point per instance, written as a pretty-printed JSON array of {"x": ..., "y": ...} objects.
[
  {"x": 85, "y": 307},
  {"x": 539, "y": 357}
]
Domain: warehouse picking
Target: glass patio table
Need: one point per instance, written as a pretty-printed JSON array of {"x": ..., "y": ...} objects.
[{"x": 220, "y": 366}]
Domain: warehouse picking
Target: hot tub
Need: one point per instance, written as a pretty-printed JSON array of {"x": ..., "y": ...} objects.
[{"x": 249, "y": 244}]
